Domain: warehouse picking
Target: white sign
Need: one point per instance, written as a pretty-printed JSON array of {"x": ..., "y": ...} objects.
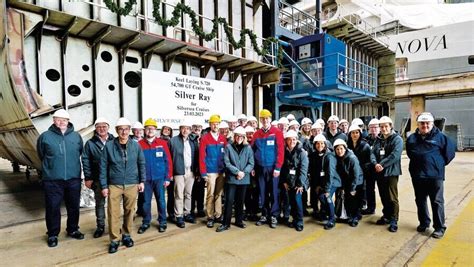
[{"x": 170, "y": 98}]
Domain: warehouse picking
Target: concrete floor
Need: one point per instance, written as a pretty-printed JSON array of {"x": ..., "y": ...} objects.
[{"x": 22, "y": 231}]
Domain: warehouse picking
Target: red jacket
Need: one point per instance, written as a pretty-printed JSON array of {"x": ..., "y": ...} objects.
[
  {"x": 269, "y": 148},
  {"x": 211, "y": 154}
]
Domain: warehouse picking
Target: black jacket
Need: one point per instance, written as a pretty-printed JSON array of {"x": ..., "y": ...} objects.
[
  {"x": 349, "y": 170},
  {"x": 91, "y": 157},
  {"x": 319, "y": 164},
  {"x": 362, "y": 151},
  {"x": 294, "y": 171},
  {"x": 331, "y": 138},
  {"x": 391, "y": 160}
]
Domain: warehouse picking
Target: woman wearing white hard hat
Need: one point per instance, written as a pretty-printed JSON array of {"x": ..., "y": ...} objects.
[
  {"x": 252, "y": 122},
  {"x": 386, "y": 159},
  {"x": 239, "y": 163},
  {"x": 344, "y": 126},
  {"x": 316, "y": 129},
  {"x": 294, "y": 175},
  {"x": 351, "y": 174},
  {"x": 294, "y": 125},
  {"x": 283, "y": 124},
  {"x": 362, "y": 150}
]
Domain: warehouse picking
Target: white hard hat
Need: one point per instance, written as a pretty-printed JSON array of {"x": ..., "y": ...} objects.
[
  {"x": 354, "y": 127},
  {"x": 294, "y": 122},
  {"x": 306, "y": 121},
  {"x": 61, "y": 113},
  {"x": 316, "y": 126},
  {"x": 274, "y": 123},
  {"x": 185, "y": 122},
  {"x": 242, "y": 117},
  {"x": 291, "y": 134},
  {"x": 137, "y": 125},
  {"x": 385, "y": 119},
  {"x": 290, "y": 117},
  {"x": 339, "y": 142},
  {"x": 197, "y": 123},
  {"x": 101, "y": 120},
  {"x": 333, "y": 118},
  {"x": 343, "y": 121},
  {"x": 319, "y": 138},
  {"x": 357, "y": 121},
  {"x": 283, "y": 120},
  {"x": 239, "y": 130},
  {"x": 223, "y": 125},
  {"x": 249, "y": 129},
  {"x": 321, "y": 121},
  {"x": 252, "y": 118},
  {"x": 425, "y": 117},
  {"x": 232, "y": 119},
  {"x": 374, "y": 121},
  {"x": 123, "y": 122}
]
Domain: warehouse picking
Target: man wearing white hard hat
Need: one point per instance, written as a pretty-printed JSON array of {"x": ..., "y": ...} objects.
[
  {"x": 370, "y": 200},
  {"x": 429, "y": 151},
  {"x": 122, "y": 176},
  {"x": 137, "y": 131},
  {"x": 294, "y": 125},
  {"x": 224, "y": 130},
  {"x": 252, "y": 122},
  {"x": 386, "y": 159},
  {"x": 233, "y": 123},
  {"x": 242, "y": 119},
  {"x": 344, "y": 126},
  {"x": 283, "y": 124},
  {"x": 90, "y": 164},
  {"x": 294, "y": 175},
  {"x": 60, "y": 149},
  {"x": 290, "y": 117},
  {"x": 333, "y": 132},
  {"x": 316, "y": 129},
  {"x": 185, "y": 168}
]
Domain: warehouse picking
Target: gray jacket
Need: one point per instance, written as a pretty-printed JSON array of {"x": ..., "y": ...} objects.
[
  {"x": 392, "y": 155},
  {"x": 91, "y": 157},
  {"x": 177, "y": 148},
  {"x": 235, "y": 162}
]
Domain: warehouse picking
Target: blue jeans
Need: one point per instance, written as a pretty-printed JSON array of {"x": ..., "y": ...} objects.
[
  {"x": 329, "y": 204},
  {"x": 296, "y": 203},
  {"x": 269, "y": 191},
  {"x": 55, "y": 191},
  {"x": 154, "y": 187}
]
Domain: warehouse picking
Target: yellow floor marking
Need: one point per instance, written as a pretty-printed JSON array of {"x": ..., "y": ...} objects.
[
  {"x": 457, "y": 246},
  {"x": 284, "y": 251}
]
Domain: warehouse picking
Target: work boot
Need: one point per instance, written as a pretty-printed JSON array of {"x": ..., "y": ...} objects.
[
  {"x": 329, "y": 225},
  {"x": 382, "y": 221},
  {"x": 299, "y": 227},
  {"x": 190, "y": 219},
  {"x": 143, "y": 228},
  {"x": 52, "y": 241},
  {"x": 99, "y": 231},
  {"x": 127, "y": 241},
  {"x": 180, "y": 222},
  {"x": 210, "y": 223},
  {"x": 393, "y": 227},
  {"x": 113, "y": 247},
  {"x": 76, "y": 235}
]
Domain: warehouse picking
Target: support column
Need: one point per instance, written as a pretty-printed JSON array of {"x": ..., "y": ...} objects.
[{"x": 417, "y": 106}]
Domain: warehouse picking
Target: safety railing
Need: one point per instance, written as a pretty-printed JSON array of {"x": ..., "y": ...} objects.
[
  {"x": 296, "y": 20},
  {"x": 219, "y": 44}
]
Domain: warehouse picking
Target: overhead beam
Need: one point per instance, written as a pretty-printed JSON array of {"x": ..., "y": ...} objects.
[
  {"x": 148, "y": 52},
  {"x": 95, "y": 41},
  {"x": 168, "y": 59},
  {"x": 123, "y": 48}
]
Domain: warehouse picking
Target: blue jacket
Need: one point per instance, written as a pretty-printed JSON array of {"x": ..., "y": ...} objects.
[
  {"x": 269, "y": 148},
  {"x": 119, "y": 168},
  {"x": 391, "y": 160},
  {"x": 177, "y": 148},
  {"x": 211, "y": 154},
  {"x": 60, "y": 154},
  {"x": 429, "y": 156},
  {"x": 235, "y": 162},
  {"x": 157, "y": 159},
  {"x": 91, "y": 157}
]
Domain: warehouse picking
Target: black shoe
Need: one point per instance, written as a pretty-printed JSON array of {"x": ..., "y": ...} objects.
[
  {"x": 113, "y": 247},
  {"x": 262, "y": 221},
  {"x": 305, "y": 213},
  {"x": 241, "y": 225},
  {"x": 52, "y": 241},
  {"x": 171, "y": 219},
  {"x": 353, "y": 223},
  {"x": 438, "y": 234},
  {"x": 76, "y": 235},
  {"x": 219, "y": 219},
  {"x": 273, "y": 222},
  {"x": 421, "y": 228},
  {"x": 368, "y": 212},
  {"x": 245, "y": 217},
  {"x": 127, "y": 241},
  {"x": 290, "y": 224},
  {"x": 299, "y": 227},
  {"x": 382, "y": 221},
  {"x": 222, "y": 228},
  {"x": 162, "y": 228},
  {"x": 200, "y": 214},
  {"x": 143, "y": 228},
  {"x": 393, "y": 227},
  {"x": 329, "y": 225},
  {"x": 190, "y": 219},
  {"x": 210, "y": 223},
  {"x": 99, "y": 232}
]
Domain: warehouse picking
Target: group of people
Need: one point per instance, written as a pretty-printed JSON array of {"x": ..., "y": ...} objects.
[{"x": 261, "y": 169}]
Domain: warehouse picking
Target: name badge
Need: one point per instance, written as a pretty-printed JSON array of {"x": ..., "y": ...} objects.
[
  {"x": 222, "y": 150},
  {"x": 270, "y": 142},
  {"x": 321, "y": 174},
  {"x": 292, "y": 172},
  {"x": 159, "y": 154},
  {"x": 382, "y": 152}
]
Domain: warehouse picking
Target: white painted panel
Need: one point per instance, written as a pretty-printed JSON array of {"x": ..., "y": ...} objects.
[
  {"x": 225, "y": 77},
  {"x": 249, "y": 98},
  {"x": 249, "y": 53},
  {"x": 156, "y": 63},
  {"x": 78, "y": 71},
  {"x": 82, "y": 116},
  {"x": 131, "y": 94},
  {"x": 258, "y": 29},
  {"x": 237, "y": 23},
  {"x": 29, "y": 52},
  {"x": 153, "y": 27},
  {"x": 130, "y": 21},
  {"x": 51, "y": 4},
  {"x": 223, "y": 12},
  {"x": 51, "y": 60},
  {"x": 177, "y": 67},
  {"x": 211, "y": 74},
  {"x": 107, "y": 83},
  {"x": 238, "y": 95},
  {"x": 77, "y": 8},
  {"x": 104, "y": 14},
  {"x": 172, "y": 32},
  {"x": 208, "y": 11},
  {"x": 191, "y": 37},
  {"x": 194, "y": 70}
]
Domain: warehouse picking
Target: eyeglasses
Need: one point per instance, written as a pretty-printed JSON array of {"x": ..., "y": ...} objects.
[{"x": 123, "y": 129}]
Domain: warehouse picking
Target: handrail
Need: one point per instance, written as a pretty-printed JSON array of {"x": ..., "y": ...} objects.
[{"x": 296, "y": 20}]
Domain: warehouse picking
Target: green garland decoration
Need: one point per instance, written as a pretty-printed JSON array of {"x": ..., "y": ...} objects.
[{"x": 182, "y": 8}]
